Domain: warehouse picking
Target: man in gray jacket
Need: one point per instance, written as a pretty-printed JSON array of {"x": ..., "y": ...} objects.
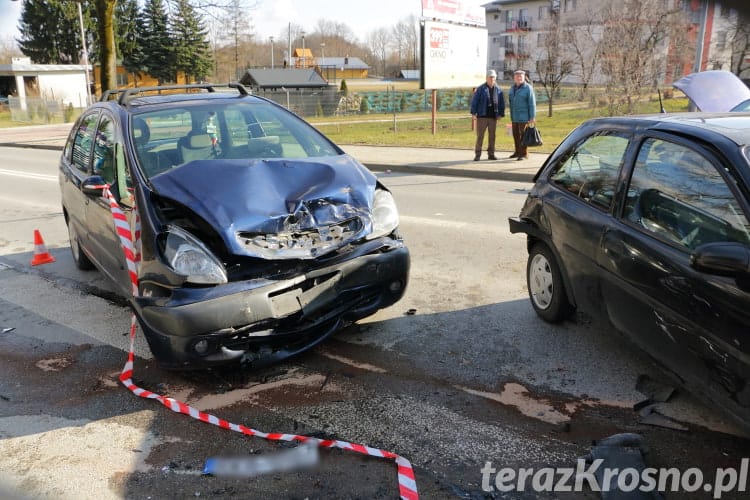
[{"x": 522, "y": 104}]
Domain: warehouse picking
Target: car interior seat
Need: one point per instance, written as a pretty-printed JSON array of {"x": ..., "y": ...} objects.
[{"x": 196, "y": 146}]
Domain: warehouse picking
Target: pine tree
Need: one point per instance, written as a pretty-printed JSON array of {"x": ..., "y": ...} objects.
[
  {"x": 50, "y": 32},
  {"x": 156, "y": 42},
  {"x": 192, "y": 52},
  {"x": 128, "y": 44}
]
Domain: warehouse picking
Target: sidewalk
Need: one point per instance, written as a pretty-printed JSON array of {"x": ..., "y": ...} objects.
[{"x": 427, "y": 161}]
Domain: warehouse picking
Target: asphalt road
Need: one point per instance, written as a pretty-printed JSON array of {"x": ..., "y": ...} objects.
[{"x": 457, "y": 374}]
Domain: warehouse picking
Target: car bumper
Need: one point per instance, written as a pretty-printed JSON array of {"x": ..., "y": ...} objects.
[{"x": 262, "y": 321}]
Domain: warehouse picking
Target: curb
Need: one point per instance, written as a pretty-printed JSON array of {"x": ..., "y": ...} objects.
[{"x": 495, "y": 175}]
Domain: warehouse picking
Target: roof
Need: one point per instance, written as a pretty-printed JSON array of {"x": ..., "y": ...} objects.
[
  {"x": 14, "y": 69},
  {"x": 733, "y": 126},
  {"x": 284, "y": 77},
  {"x": 342, "y": 62},
  {"x": 410, "y": 74}
]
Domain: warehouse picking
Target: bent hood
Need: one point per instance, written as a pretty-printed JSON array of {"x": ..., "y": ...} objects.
[
  {"x": 713, "y": 91},
  {"x": 276, "y": 208}
]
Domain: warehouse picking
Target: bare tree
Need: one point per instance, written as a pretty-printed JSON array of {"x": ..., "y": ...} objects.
[
  {"x": 237, "y": 26},
  {"x": 405, "y": 40},
  {"x": 553, "y": 61},
  {"x": 582, "y": 37},
  {"x": 634, "y": 48},
  {"x": 378, "y": 41},
  {"x": 739, "y": 38},
  {"x": 8, "y": 50}
]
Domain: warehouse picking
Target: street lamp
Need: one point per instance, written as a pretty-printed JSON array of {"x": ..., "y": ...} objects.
[
  {"x": 271, "y": 38},
  {"x": 85, "y": 54},
  {"x": 322, "y": 50},
  {"x": 303, "y": 49}
]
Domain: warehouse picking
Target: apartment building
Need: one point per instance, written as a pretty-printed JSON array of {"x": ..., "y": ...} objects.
[{"x": 516, "y": 31}]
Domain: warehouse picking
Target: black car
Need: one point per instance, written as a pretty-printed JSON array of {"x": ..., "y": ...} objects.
[
  {"x": 643, "y": 221},
  {"x": 259, "y": 237}
]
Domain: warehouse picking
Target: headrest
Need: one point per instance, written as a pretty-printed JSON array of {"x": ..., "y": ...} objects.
[
  {"x": 199, "y": 141},
  {"x": 141, "y": 132}
]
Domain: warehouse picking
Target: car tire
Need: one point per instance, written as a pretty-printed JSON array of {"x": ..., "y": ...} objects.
[
  {"x": 82, "y": 262},
  {"x": 545, "y": 284}
]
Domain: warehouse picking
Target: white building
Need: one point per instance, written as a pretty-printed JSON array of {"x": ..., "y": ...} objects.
[
  {"x": 516, "y": 29},
  {"x": 62, "y": 83}
]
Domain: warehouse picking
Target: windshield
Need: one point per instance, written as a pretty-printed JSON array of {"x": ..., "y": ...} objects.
[
  {"x": 743, "y": 106},
  {"x": 173, "y": 137}
]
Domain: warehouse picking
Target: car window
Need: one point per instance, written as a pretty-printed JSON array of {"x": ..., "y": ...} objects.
[
  {"x": 83, "y": 141},
  {"x": 677, "y": 194},
  {"x": 167, "y": 139},
  {"x": 591, "y": 169},
  {"x": 104, "y": 160}
]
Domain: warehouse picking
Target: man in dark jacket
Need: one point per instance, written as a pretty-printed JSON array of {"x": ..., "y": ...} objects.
[{"x": 487, "y": 106}]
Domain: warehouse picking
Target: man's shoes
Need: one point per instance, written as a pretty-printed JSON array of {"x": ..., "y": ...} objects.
[
  {"x": 491, "y": 157},
  {"x": 522, "y": 158},
  {"x": 477, "y": 158},
  {"x": 514, "y": 155}
]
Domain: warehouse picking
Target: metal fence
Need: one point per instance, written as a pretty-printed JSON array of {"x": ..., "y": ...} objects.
[
  {"x": 328, "y": 101},
  {"x": 331, "y": 101}
]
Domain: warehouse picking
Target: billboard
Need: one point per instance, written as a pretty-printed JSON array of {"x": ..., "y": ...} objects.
[
  {"x": 453, "y": 56},
  {"x": 454, "y": 11}
]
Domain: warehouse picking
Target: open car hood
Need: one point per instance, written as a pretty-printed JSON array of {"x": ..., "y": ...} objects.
[
  {"x": 713, "y": 91},
  {"x": 276, "y": 208}
]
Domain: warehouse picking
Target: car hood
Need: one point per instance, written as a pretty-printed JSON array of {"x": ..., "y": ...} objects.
[
  {"x": 713, "y": 90},
  {"x": 276, "y": 208}
]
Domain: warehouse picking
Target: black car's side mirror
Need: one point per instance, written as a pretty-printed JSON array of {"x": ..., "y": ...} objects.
[
  {"x": 93, "y": 186},
  {"x": 722, "y": 258}
]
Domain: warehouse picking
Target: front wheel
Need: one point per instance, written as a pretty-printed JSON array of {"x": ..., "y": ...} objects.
[{"x": 545, "y": 284}]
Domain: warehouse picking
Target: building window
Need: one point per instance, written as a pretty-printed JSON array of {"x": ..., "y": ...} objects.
[
  {"x": 721, "y": 40},
  {"x": 543, "y": 12},
  {"x": 569, "y": 6}
]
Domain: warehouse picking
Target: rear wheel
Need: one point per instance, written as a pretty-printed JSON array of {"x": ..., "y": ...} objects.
[
  {"x": 82, "y": 262},
  {"x": 545, "y": 284}
]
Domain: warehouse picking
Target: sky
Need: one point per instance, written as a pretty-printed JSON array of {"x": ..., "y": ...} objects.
[{"x": 270, "y": 17}]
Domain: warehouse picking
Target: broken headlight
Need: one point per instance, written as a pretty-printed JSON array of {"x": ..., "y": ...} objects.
[
  {"x": 188, "y": 257},
  {"x": 384, "y": 214}
]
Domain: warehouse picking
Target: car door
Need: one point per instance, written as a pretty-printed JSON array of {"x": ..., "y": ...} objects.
[
  {"x": 680, "y": 197},
  {"x": 579, "y": 204},
  {"x": 104, "y": 241},
  {"x": 75, "y": 167}
]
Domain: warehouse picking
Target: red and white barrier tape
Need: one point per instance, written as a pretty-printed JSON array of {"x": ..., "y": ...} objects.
[{"x": 406, "y": 482}]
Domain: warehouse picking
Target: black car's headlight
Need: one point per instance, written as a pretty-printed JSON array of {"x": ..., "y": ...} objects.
[
  {"x": 188, "y": 257},
  {"x": 384, "y": 214}
]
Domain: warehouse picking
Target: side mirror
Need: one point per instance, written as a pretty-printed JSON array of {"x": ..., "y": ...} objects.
[
  {"x": 93, "y": 186},
  {"x": 722, "y": 259}
]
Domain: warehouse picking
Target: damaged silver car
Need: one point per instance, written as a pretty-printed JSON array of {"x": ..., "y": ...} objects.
[{"x": 259, "y": 237}]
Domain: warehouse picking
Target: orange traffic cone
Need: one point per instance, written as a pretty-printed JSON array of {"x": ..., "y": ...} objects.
[{"x": 41, "y": 255}]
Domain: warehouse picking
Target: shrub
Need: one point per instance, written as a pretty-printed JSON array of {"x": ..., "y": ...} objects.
[{"x": 364, "y": 106}]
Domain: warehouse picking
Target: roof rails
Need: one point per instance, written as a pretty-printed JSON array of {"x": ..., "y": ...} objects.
[{"x": 129, "y": 93}]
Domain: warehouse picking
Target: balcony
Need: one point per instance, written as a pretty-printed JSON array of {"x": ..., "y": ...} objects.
[{"x": 520, "y": 24}]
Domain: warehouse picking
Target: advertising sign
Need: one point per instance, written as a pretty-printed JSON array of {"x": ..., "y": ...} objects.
[
  {"x": 454, "y": 56},
  {"x": 454, "y": 11}
]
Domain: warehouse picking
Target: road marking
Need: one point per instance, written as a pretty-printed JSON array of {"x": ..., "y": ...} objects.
[
  {"x": 28, "y": 175},
  {"x": 458, "y": 225}
]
